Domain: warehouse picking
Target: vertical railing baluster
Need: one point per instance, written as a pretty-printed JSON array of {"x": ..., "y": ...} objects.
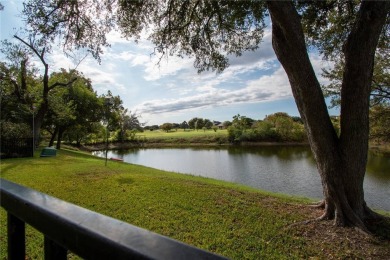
[
  {"x": 54, "y": 251},
  {"x": 16, "y": 238}
]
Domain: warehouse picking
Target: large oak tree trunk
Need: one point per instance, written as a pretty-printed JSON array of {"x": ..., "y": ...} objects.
[{"x": 341, "y": 162}]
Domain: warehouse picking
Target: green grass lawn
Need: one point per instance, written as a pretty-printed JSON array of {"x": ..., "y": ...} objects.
[
  {"x": 228, "y": 219},
  {"x": 181, "y": 136},
  {"x": 180, "y": 133}
]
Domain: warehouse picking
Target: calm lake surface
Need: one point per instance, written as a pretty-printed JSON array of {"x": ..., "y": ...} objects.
[{"x": 283, "y": 169}]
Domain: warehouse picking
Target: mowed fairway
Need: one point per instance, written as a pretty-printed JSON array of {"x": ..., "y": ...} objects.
[
  {"x": 181, "y": 136},
  {"x": 180, "y": 133},
  {"x": 235, "y": 221}
]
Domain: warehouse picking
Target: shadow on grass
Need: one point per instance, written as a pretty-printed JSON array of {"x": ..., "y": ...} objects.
[{"x": 380, "y": 228}]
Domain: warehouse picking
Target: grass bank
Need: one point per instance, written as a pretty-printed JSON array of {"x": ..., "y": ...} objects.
[
  {"x": 232, "y": 220},
  {"x": 180, "y": 137}
]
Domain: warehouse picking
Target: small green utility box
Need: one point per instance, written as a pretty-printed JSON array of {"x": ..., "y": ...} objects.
[{"x": 48, "y": 152}]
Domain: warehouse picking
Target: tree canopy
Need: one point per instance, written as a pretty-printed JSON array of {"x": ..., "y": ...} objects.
[{"x": 349, "y": 33}]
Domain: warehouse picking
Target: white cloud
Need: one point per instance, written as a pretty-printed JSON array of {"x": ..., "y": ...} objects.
[{"x": 266, "y": 88}]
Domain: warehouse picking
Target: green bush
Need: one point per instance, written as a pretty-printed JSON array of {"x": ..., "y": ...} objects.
[{"x": 11, "y": 130}]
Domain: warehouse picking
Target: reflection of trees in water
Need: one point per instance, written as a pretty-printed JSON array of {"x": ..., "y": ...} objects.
[
  {"x": 127, "y": 151},
  {"x": 285, "y": 153},
  {"x": 379, "y": 166}
]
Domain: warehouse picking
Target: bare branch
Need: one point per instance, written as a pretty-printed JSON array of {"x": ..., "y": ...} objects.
[{"x": 33, "y": 49}]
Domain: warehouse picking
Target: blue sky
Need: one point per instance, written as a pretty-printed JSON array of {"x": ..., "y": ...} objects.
[{"x": 255, "y": 84}]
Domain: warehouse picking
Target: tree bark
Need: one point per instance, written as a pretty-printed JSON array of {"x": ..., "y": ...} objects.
[
  {"x": 53, "y": 136},
  {"x": 61, "y": 131},
  {"x": 341, "y": 162}
]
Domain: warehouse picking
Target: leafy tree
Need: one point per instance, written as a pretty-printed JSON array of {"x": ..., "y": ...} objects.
[
  {"x": 18, "y": 56},
  {"x": 265, "y": 131},
  {"x": 10, "y": 130},
  {"x": 166, "y": 127},
  {"x": 16, "y": 100},
  {"x": 285, "y": 127},
  {"x": 238, "y": 130},
  {"x": 322, "y": 25},
  {"x": 297, "y": 119},
  {"x": 196, "y": 123},
  {"x": 199, "y": 124},
  {"x": 127, "y": 121},
  {"x": 226, "y": 124},
  {"x": 242, "y": 122},
  {"x": 73, "y": 108},
  {"x": 191, "y": 122},
  {"x": 151, "y": 128},
  {"x": 175, "y": 126},
  {"x": 211, "y": 31},
  {"x": 208, "y": 124},
  {"x": 184, "y": 125},
  {"x": 112, "y": 108}
]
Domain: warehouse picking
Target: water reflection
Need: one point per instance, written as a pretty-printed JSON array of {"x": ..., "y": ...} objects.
[{"x": 285, "y": 169}]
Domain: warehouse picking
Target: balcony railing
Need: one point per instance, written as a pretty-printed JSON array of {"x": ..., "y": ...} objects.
[{"x": 87, "y": 234}]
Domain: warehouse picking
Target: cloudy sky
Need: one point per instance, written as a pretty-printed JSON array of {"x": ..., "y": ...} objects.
[{"x": 255, "y": 84}]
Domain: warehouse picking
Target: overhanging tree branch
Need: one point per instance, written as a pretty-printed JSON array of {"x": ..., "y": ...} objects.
[{"x": 40, "y": 55}]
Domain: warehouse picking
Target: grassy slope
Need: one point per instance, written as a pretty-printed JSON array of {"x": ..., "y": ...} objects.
[{"x": 231, "y": 220}]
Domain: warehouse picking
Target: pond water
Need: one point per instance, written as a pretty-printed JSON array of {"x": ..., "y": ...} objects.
[{"x": 283, "y": 169}]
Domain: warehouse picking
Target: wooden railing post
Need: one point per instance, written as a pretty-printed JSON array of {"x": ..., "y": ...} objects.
[
  {"x": 16, "y": 238},
  {"x": 54, "y": 251}
]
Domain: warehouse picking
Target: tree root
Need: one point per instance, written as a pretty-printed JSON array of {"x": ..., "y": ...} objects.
[
  {"x": 342, "y": 219},
  {"x": 318, "y": 205}
]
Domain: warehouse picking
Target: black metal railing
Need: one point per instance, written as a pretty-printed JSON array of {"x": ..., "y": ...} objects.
[
  {"x": 16, "y": 147},
  {"x": 87, "y": 234}
]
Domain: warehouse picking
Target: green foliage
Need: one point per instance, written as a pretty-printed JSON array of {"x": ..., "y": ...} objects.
[
  {"x": 327, "y": 25},
  {"x": 128, "y": 135},
  {"x": 72, "y": 110},
  {"x": 11, "y": 130},
  {"x": 380, "y": 123},
  {"x": 19, "y": 91},
  {"x": 242, "y": 122},
  {"x": 278, "y": 127},
  {"x": 198, "y": 123},
  {"x": 184, "y": 125},
  {"x": 166, "y": 127},
  {"x": 128, "y": 125},
  {"x": 226, "y": 124},
  {"x": 206, "y": 30}
]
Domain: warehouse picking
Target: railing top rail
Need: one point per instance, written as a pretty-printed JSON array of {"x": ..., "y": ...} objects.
[{"x": 90, "y": 234}]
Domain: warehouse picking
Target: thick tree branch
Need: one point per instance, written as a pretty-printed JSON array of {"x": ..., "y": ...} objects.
[
  {"x": 359, "y": 53},
  {"x": 59, "y": 84}
]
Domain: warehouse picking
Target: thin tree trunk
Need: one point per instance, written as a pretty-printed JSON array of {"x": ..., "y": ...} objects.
[
  {"x": 340, "y": 162},
  {"x": 59, "y": 138},
  {"x": 38, "y": 121},
  {"x": 53, "y": 136}
]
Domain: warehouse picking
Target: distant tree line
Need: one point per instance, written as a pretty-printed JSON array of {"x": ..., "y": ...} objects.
[{"x": 277, "y": 127}]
